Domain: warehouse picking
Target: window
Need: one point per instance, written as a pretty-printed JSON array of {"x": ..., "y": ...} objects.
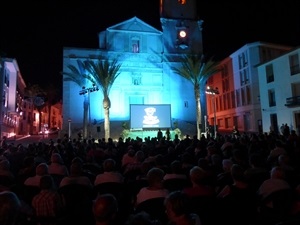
[
  {"x": 248, "y": 94},
  {"x": 136, "y": 79},
  {"x": 233, "y": 99},
  {"x": 294, "y": 64},
  {"x": 135, "y": 43},
  {"x": 271, "y": 95},
  {"x": 244, "y": 77},
  {"x": 238, "y": 99},
  {"x": 186, "y": 104},
  {"x": 269, "y": 73},
  {"x": 243, "y": 61}
]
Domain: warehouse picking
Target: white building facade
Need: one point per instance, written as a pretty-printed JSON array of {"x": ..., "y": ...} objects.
[
  {"x": 240, "y": 100},
  {"x": 279, "y": 90}
]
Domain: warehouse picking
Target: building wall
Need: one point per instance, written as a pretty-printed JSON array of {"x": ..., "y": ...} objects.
[
  {"x": 284, "y": 86},
  {"x": 245, "y": 107},
  {"x": 145, "y": 75}
]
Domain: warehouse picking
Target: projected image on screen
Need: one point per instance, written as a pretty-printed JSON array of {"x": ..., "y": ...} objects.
[{"x": 150, "y": 116}]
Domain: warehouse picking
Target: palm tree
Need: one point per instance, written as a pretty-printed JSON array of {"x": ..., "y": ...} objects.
[
  {"x": 52, "y": 97},
  {"x": 105, "y": 73},
  {"x": 80, "y": 77},
  {"x": 35, "y": 94},
  {"x": 197, "y": 71}
]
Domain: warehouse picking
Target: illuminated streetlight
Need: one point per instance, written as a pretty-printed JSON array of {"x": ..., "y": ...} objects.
[{"x": 213, "y": 92}]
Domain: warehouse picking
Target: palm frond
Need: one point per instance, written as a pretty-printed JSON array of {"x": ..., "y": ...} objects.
[{"x": 104, "y": 72}]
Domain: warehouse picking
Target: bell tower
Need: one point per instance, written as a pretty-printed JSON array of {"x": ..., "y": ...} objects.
[{"x": 182, "y": 31}]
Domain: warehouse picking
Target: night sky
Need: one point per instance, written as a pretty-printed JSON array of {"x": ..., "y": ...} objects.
[{"x": 36, "y": 33}]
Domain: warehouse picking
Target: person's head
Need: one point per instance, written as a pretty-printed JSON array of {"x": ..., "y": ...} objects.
[
  {"x": 176, "y": 167},
  {"x": 177, "y": 204},
  {"x": 155, "y": 176},
  {"x": 4, "y": 164},
  {"x": 237, "y": 172},
  {"x": 197, "y": 175},
  {"x": 9, "y": 208},
  {"x": 140, "y": 156},
  {"x": 227, "y": 164},
  {"x": 76, "y": 169},
  {"x": 140, "y": 218},
  {"x": 41, "y": 169},
  {"x": 105, "y": 208},
  {"x": 56, "y": 158},
  {"x": 277, "y": 172},
  {"x": 46, "y": 182},
  {"x": 109, "y": 165}
]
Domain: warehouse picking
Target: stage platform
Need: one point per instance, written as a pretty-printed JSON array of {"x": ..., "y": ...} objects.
[{"x": 148, "y": 133}]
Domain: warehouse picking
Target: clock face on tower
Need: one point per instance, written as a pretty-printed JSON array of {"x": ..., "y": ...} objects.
[{"x": 182, "y": 34}]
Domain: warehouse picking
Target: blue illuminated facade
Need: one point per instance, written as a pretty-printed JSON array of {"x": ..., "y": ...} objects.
[{"x": 145, "y": 54}]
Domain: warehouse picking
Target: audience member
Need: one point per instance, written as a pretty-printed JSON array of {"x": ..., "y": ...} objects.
[
  {"x": 105, "y": 210},
  {"x": 57, "y": 165},
  {"x": 47, "y": 203},
  {"x": 76, "y": 176},
  {"x": 276, "y": 182},
  {"x": 199, "y": 186},
  {"x": 110, "y": 174},
  {"x": 178, "y": 210},
  {"x": 10, "y": 207},
  {"x": 237, "y": 199},
  {"x": 41, "y": 169},
  {"x": 141, "y": 218},
  {"x": 155, "y": 189}
]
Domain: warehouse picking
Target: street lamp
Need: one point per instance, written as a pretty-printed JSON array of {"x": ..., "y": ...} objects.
[
  {"x": 87, "y": 91},
  {"x": 69, "y": 132},
  {"x": 213, "y": 92}
]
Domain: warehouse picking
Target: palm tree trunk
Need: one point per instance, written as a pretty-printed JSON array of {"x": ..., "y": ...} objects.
[
  {"x": 106, "y": 123},
  {"x": 106, "y": 106},
  {"x": 198, "y": 111},
  {"x": 85, "y": 115}
]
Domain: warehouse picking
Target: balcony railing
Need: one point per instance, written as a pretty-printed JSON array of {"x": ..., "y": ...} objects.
[{"x": 293, "y": 101}]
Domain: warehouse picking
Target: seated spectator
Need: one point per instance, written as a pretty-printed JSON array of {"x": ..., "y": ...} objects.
[
  {"x": 224, "y": 178},
  {"x": 276, "y": 182},
  {"x": 76, "y": 176},
  {"x": 41, "y": 169},
  {"x": 109, "y": 173},
  {"x": 178, "y": 209},
  {"x": 155, "y": 188},
  {"x": 175, "y": 171},
  {"x": 237, "y": 199},
  {"x": 199, "y": 186},
  {"x": 57, "y": 165},
  {"x": 48, "y": 202},
  {"x": 27, "y": 169},
  {"x": 275, "y": 153},
  {"x": 141, "y": 218},
  {"x": 128, "y": 157},
  {"x": 10, "y": 208},
  {"x": 131, "y": 170},
  {"x": 257, "y": 172},
  {"x": 7, "y": 178},
  {"x": 105, "y": 210}
]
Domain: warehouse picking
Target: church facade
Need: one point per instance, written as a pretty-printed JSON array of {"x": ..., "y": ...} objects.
[{"x": 146, "y": 55}]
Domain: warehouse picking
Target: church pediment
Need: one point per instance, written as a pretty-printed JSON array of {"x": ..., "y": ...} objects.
[{"x": 134, "y": 25}]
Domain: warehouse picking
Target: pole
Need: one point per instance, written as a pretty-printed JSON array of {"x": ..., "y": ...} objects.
[
  {"x": 69, "y": 133},
  {"x": 89, "y": 124},
  {"x": 215, "y": 118}
]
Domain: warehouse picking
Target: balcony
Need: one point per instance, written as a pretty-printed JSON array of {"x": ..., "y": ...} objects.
[{"x": 293, "y": 101}]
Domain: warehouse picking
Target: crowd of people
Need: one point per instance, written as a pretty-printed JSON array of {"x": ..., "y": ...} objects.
[{"x": 248, "y": 179}]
